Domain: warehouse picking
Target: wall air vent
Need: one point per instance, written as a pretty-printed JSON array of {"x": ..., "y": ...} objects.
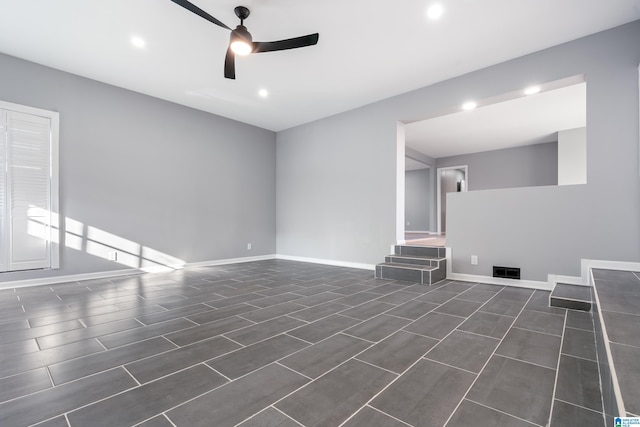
[{"x": 506, "y": 272}]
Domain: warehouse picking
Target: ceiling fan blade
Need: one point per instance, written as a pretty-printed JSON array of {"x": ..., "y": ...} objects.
[
  {"x": 195, "y": 9},
  {"x": 308, "y": 40},
  {"x": 230, "y": 65}
]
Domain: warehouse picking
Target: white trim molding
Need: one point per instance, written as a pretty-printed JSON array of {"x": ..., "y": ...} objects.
[
  {"x": 335, "y": 263},
  {"x": 588, "y": 264},
  {"x": 554, "y": 279},
  {"x": 52, "y": 280},
  {"x": 607, "y": 346},
  {"x": 230, "y": 261},
  {"x": 529, "y": 284}
]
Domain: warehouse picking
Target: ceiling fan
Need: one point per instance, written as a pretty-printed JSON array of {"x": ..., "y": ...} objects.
[{"x": 241, "y": 42}]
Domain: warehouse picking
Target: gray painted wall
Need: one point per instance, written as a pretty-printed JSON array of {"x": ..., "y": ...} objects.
[
  {"x": 332, "y": 205},
  {"x": 526, "y": 166},
  {"x": 449, "y": 179},
  {"x": 417, "y": 200},
  {"x": 427, "y": 160},
  {"x": 189, "y": 184}
]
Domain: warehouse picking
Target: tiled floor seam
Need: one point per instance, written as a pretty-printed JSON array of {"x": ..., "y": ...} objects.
[
  {"x": 537, "y": 331},
  {"x": 505, "y": 413},
  {"x": 375, "y": 366},
  {"x": 425, "y": 357},
  {"x": 578, "y": 357},
  {"x": 277, "y": 362},
  {"x": 579, "y": 406},
  {"x": 272, "y": 406},
  {"x": 488, "y": 359},
  {"x": 90, "y": 403},
  {"x": 102, "y": 345},
  {"x": 526, "y": 361},
  {"x": 382, "y": 412},
  {"x": 229, "y": 380},
  {"x": 555, "y": 381},
  {"x": 342, "y": 363},
  {"x": 360, "y": 338},
  {"x": 131, "y": 375},
  {"x": 403, "y": 372}
]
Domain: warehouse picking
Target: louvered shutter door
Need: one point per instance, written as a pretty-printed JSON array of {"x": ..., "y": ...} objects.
[
  {"x": 29, "y": 190},
  {"x": 4, "y": 232}
]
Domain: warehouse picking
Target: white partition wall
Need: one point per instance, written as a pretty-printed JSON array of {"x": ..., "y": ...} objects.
[{"x": 572, "y": 156}]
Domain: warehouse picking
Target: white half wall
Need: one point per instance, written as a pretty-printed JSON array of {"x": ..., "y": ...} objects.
[{"x": 572, "y": 156}]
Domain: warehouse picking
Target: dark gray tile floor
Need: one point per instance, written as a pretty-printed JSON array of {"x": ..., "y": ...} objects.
[{"x": 282, "y": 343}]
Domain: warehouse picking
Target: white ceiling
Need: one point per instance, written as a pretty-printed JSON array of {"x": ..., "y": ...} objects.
[
  {"x": 525, "y": 120},
  {"x": 368, "y": 50}
]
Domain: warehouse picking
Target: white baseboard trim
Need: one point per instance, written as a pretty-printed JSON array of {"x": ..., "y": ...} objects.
[
  {"x": 230, "y": 261},
  {"x": 529, "y": 284},
  {"x": 587, "y": 265},
  {"x": 569, "y": 280},
  {"x": 335, "y": 263},
  {"x": 52, "y": 280}
]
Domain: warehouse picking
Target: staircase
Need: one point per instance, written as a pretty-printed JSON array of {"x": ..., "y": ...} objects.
[
  {"x": 418, "y": 264},
  {"x": 573, "y": 297}
]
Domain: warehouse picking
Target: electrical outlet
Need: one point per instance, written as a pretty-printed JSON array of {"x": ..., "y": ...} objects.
[
  {"x": 474, "y": 259},
  {"x": 248, "y": 246},
  {"x": 112, "y": 256}
]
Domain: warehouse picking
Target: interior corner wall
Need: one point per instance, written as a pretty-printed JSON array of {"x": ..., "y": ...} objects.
[
  {"x": 526, "y": 166},
  {"x": 154, "y": 179},
  {"x": 335, "y": 176}
]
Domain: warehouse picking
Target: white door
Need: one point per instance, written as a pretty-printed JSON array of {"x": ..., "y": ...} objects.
[{"x": 26, "y": 191}]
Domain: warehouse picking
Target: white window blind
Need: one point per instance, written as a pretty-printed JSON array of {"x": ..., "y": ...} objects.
[{"x": 27, "y": 189}]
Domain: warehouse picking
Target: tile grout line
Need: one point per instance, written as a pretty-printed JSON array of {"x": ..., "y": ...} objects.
[
  {"x": 580, "y": 406},
  {"x": 418, "y": 295},
  {"x": 277, "y": 362},
  {"x": 130, "y": 374},
  {"x": 285, "y": 415},
  {"x": 213, "y": 369},
  {"x": 490, "y": 356},
  {"x": 375, "y": 366},
  {"x": 426, "y": 357},
  {"x": 525, "y": 361},
  {"x": 502, "y": 412},
  {"x": 368, "y": 403},
  {"x": 384, "y": 413}
]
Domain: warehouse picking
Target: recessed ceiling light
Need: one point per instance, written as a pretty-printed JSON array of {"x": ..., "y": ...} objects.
[
  {"x": 138, "y": 42},
  {"x": 469, "y": 105},
  {"x": 263, "y": 93},
  {"x": 435, "y": 11},
  {"x": 531, "y": 90}
]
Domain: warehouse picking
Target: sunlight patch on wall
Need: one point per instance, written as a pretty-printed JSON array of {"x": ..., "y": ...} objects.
[{"x": 100, "y": 243}]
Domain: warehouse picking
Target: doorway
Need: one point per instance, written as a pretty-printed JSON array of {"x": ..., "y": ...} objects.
[{"x": 450, "y": 180}]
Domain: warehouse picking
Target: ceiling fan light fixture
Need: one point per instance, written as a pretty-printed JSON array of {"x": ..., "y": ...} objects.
[{"x": 241, "y": 41}]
